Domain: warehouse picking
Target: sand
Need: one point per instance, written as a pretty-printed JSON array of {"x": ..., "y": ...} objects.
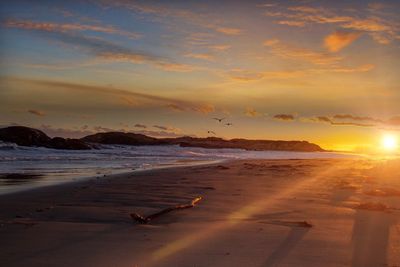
[{"x": 342, "y": 212}]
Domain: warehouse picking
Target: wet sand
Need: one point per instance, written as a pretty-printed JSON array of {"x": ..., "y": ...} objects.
[{"x": 341, "y": 212}]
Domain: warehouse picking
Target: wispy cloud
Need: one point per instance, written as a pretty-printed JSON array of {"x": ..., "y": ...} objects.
[
  {"x": 295, "y": 53},
  {"x": 106, "y": 50},
  {"x": 203, "y": 56},
  {"x": 251, "y": 112},
  {"x": 136, "y": 97},
  {"x": 220, "y": 47},
  {"x": 66, "y": 27},
  {"x": 328, "y": 120},
  {"x": 37, "y": 112},
  {"x": 174, "y": 13},
  {"x": 138, "y": 125},
  {"x": 284, "y": 117},
  {"x": 228, "y": 31},
  {"x": 380, "y": 28},
  {"x": 354, "y": 120},
  {"x": 240, "y": 75},
  {"x": 340, "y": 39}
]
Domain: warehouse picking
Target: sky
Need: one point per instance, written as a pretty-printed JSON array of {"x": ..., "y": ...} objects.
[{"x": 321, "y": 71}]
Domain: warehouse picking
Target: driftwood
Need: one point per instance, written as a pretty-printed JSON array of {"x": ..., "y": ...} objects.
[{"x": 144, "y": 220}]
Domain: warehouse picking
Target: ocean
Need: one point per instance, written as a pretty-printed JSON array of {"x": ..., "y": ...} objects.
[{"x": 23, "y": 168}]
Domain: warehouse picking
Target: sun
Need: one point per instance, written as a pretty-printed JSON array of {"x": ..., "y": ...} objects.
[{"x": 389, "y": 142}]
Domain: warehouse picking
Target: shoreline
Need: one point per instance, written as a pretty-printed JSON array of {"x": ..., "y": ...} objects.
[
  {"x": 49, "y": 180},
  {"x": 267, "y": 212},
  {"x": 77, "y": 180}
]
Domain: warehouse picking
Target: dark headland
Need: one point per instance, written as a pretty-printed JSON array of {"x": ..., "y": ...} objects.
[{"x": 25, "y": 136}]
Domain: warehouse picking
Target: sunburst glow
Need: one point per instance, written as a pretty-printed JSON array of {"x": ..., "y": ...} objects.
[{"x": 389, "y": 142}]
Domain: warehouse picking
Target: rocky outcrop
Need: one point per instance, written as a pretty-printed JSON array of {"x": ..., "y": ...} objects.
[
  {"x": 25, "y": 136},
  {"x": 121, "y": 138}
]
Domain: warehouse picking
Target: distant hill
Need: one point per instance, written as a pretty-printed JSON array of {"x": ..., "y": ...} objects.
[
  {"x": 121, "y": 138},
  {"x": 259, "y": 145},
  {"x": 25, "y": 136}
]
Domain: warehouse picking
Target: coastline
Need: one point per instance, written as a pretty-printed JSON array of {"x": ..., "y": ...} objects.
[
  {"x": 31, "y": 176},
  {"x": 75, "y": 180},
  {"x": 266, "y": 212}
]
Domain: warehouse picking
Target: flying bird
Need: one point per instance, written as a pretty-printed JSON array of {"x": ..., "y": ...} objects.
[
  {"x": 228, "y": 124},
  {"x": 211, "y": 132},
  {"x": 218, "y": 119}
]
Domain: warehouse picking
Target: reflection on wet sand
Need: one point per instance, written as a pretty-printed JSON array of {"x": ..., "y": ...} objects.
[{"x": 19, "y": 178}]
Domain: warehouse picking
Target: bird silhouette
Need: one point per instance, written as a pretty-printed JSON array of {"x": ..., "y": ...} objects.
[
  {"x": 219, "y": 119},
  {"x": 228, "y": 124},
  {"x": 211, "y": 132}
]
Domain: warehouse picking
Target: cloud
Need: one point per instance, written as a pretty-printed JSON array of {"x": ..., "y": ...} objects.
[
  {"x": 228, "y": 31},
  {"x": 295, "y": 53},
  {"x": 138, "y": 125},
  {"x": 291, "y": 23},
  {"x": 36, "y": 112},
  {"x": 203, "y": 56},
  {"x": 356, "y": 118},
  {"x": 378, "y": 26},
  {"x": 394, "y": 121},
  {"x": 65, "y": 27},
  {"x": 107, "y": 50},
  {"x": 353, "y": 120},
  {"x": 240, "y": 75},
  {"x": 361, "y": 68},
  {"x": 251, "y": 112},
  {"x": 202, "y": 108},
  {"x": 128, "y": 101},
  {"x": 174, "y": 13},
  {"x": 325, "y": 119},
  {"x": 175, "y": 107},
  {"x": 284, "y": 117},
  {"x": 339, "y": 40},
  {"x": 220, "y": 47}
]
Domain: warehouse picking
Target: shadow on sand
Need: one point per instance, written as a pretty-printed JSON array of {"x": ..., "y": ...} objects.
[
  {"x": 295, "y": 235},
  {"x": 371, "y": 232}
]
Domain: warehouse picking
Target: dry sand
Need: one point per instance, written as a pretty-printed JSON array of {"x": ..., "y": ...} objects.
[{"x": 341, "y": 212}]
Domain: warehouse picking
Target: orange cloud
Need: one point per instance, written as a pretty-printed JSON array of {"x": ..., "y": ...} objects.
[
  {"x": 138, "y": 125},
  {"x": 219, "y": 47},
  {"x": 379, "y": 27},
  {"x": 339, "y": 40},
  {"x": 251, "y": 112},
  {"x": 325, "y": 119},
  {"x": 229, "y": 31},
  {"x": 141, "y": 98},
  {"x": 203, "y": 56},
  {"x": 295, "y": 53},
  {"x": 284, "y": 117},
  {"x": 294, "y": 23},
  {"x": 36, "y": 112}
]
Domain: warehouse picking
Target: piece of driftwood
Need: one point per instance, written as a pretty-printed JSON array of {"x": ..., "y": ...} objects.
[{"x": 144, "y": 220}]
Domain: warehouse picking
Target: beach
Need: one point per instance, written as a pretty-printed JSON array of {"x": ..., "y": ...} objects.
[{"x": 258, "y": 212}]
